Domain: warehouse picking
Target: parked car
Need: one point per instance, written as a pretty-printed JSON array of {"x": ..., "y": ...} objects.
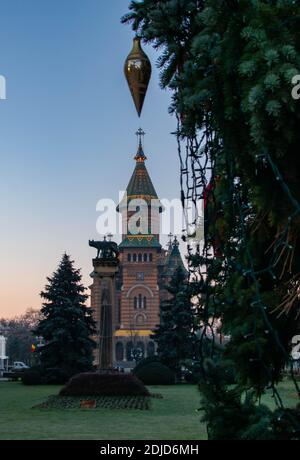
[
  {"x": 19, "y": 366},
  {"x": 15, "y": 371}
]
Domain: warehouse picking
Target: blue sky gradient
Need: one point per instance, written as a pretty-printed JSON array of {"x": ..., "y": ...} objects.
[{"x": 67, "y": 135}]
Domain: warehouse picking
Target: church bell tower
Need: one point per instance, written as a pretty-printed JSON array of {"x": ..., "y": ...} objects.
[
  {"x": 140, "y": 250},
  {"x": 129, "y": 279}
]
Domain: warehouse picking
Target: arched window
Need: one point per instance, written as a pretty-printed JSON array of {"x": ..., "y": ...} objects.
[
  {"x": 145, "y": 257},
  {"x": 150, "y": 257},
  {"x": 140, "y": 301},
  {"x": 145, "y": 303},
  {"x": 141, "y": 349},
  {"x": 140, "y": 258},
  {"x": 151, "y": 349},
  {"x": 129, "y": 257},
  {"x": 134, "y": 257},
  {"x": 135, "y": 303},
  {"x": 119, "y": 351},
  {"x": 129, "y": 351}
]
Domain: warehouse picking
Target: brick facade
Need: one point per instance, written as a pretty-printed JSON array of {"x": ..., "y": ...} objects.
[{"x": 137, "y": 284}]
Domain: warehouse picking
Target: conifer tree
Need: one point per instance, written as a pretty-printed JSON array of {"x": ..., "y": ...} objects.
[
  {"x": 66, "y": 324},
  {"x": 232, "y": 74},
  {"x": 175, "y": 334}
]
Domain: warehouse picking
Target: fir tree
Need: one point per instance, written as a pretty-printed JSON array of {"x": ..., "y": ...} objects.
[
  {"x": 175, "y": 334},
  {"x": 66, "y": 324},
  {"x": 232, "y": 73}
]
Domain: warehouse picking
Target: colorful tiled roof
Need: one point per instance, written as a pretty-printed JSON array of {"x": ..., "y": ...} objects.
[
  {"x": 174, "y": 260},
  {"x": 140, "y": 185},
  {"x": 140, "y": 241}
]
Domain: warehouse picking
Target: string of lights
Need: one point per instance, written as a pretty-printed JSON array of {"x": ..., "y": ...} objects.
[{"x": 198, "y": 166}]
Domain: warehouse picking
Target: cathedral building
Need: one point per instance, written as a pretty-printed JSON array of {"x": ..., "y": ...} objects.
[{"x": 128, "y": 290}]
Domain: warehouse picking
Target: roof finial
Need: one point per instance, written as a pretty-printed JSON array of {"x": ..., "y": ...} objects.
[
  {"x": 140, "y": 134},
  {"x": 170, "y": 241},
  {"x": 140, "y": 156},
  {"x": 176, "y": 242}
]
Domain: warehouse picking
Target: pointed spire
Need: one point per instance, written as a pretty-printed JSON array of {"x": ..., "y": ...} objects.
[
  {"x": 176, "y": 242},
  {"x": 174, "y": 259},
  {"x": 140, "y": 156},
  {"x": 170, "y": 244},
  {"x": 140, "y": 184}
]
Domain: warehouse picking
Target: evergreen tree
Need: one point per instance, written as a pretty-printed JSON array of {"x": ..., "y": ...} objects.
[
  {"x": 175, "y": 334},
  {"x": 67, "y": 324},
  {"x": 232, "y": 75}
]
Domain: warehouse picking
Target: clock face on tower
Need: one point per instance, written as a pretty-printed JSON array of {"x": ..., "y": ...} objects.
[{"x": 140, "y": 276}]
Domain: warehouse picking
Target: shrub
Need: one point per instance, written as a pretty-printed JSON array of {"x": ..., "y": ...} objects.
[
  {"x": 146, "y": 361},
  {"x": 56, "y": 376},
  {"x": 155, "y": 373},
  {"x": 38, "y": 375},
  {"x": 108, "y": 384},
  {"x": 31, "y": 377}
]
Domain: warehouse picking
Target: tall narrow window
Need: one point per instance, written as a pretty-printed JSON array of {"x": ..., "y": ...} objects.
[
  {"x": 145, "y": 303},
  {"x": 129, "y": 351},
  {"x": 129, "y": 257},
  {"x": 135, "y": 302},
  {"x": 145, "y": 257},
  {"x": 150, "y": 257},
  {"x": 140, "y": 301},
  {"x": 119, "y": 351},
  {"x": 134, "y": 257},
  {"x": 140, "y": 258}
]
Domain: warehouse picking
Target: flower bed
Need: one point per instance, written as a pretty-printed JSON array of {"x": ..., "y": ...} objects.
[{"x": 102, "y": 402}]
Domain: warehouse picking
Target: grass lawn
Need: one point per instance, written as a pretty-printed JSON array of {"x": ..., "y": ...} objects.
[{"x": 173, "y": 417}]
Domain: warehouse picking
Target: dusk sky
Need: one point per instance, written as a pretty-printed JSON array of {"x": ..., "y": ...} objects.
[{"x": 67, "y": 136}]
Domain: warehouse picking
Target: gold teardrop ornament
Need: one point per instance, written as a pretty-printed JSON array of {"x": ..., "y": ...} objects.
[{"x": 138, "y": 74}]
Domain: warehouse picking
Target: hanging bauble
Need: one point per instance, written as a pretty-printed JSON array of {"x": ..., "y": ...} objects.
[{"x": 138, "y": 73}]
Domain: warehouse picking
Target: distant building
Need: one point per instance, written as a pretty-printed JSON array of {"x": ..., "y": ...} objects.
[{"x": 3, "y": 357}]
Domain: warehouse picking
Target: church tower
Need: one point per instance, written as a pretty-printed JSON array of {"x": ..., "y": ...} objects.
[
  {"x": 129, "y": 280},
  {"x": 140, "y": 249}
]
